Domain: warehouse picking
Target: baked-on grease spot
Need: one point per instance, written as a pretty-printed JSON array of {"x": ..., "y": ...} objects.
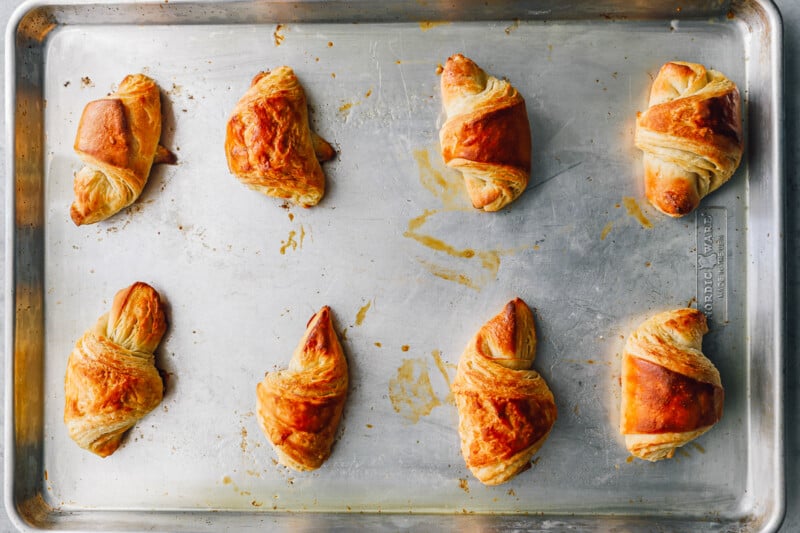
[
  {"x": 362, "y": 313},
  {"x": 290, "y": 241},
  {"x": 378, "y": 345},
  {"x": 243, "y": 444},
  {"x": 278, "y": 35},
  {"x": 514, "y": 25},
  {"x": 629, "y": 459},
  {"x": 448, "y": 187},
  {"x": 463, "y": 484},
  {"x": 698, "y": 447},
  {"x": 330, "y": 44},
  {"x": 606, "y": 230},
  {"x": 86, "y": 81},
  {"x": 426, "y": 25},
  {"x": 635, "y": 211},
  {"x": 404, "y": 348},
  {"x": 410, "y": 391},
  {"x": 440, "y": 364}
]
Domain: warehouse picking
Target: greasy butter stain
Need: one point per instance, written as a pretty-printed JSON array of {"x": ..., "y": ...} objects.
[
  {"x": 437, "y": 358},
  {"x": 405, "y": 347},
  {"x": 633, "y": 210},
  {"x": 606, "y": 231},
  {"x": 432, "y": 242},
  {"x": 449, "y": 187},
  {"x": 368, "y": 93},
  {"x": 290, "y": 241},
  {"x": 345, "y": 107},
  {"x": 228, "y": 481},
  {"x": 426, "y": 25},
  {"x": 684, "y": 452},
  {"x": 449, "y": 274},
  {"x": 378, "y": 345},
  {"x": 243, "y": 444},
  {"x": 629, "y": 459},
  {"x": 490, "y": 260},
  {"x": 277, "y": 35},
  {"x": 698, "y": 447},
  {"x": 362, "y": 313},
  {"x": 410, "y": 391},
  {"x": 463, "y": 484},
  {"x": 512, "y": 27}
]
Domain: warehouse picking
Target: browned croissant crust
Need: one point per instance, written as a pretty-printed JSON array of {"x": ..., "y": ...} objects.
[
  {"x": 118, "y": 142},
  {"x": 299, "y": 408},
  {"x": 111, "y": 380},
  {"x": 671, "y": 393},
  {"x": 505, "y": 409},
  {"x": 487, "y": 135},
  {"x": 269, "y": 144},
  {"x": 691, "y": 136}
]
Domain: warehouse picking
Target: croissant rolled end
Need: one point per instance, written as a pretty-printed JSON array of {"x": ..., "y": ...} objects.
[{"x": 137, "y": 319}]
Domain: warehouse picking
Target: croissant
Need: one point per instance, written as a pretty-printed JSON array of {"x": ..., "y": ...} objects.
[
  {"x": 505, "y": 409},
  {"x": 111, "y": 380},
  {"x": 691, "y": 136},
  {"x": 118, "y": 142},
  {"x": 486, "y": 135},
  {"x": 269, "y": 144},
  {"x": 671, "y": 393},
  {"x": 299, "y": 408}
]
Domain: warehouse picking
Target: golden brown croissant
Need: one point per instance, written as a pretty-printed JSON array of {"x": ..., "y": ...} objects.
[
  {"x": 269, "y": 144},
  {"x": 505, "y": 409},
  {"x": 118, "y": 142},
  {"x": 671, "y": 393},
  {"x": 299, "y": 408},
  {"x": 487, "y": 135},
  {"x": 691, "y": 136},
  {"x": 111, "y": 380}
]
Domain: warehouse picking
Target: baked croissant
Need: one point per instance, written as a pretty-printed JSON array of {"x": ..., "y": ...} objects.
[
  {"x": 269, "y": 144},
  {"x": 118, "y": 142},
  {"x": 505, "y": 409},
  {"x": 299, "y": 408},
  {"x": 111, "y": 380},
  {"x": 671, "y": 393},
  {"x": 486, "y": 135},
  {"x": 691, "y": 136}
]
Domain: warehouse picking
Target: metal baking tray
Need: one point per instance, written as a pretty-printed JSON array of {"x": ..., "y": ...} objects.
[{"x": 408, "y": 267}]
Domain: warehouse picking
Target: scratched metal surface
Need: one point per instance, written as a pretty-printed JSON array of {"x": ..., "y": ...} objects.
[{"x": 410, "y": 271}]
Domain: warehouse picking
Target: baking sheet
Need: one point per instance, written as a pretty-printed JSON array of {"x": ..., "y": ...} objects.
[{"x": 409, "y": 269}]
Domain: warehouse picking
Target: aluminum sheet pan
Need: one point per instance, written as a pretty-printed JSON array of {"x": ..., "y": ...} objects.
[{"x": 408, "y": 267}]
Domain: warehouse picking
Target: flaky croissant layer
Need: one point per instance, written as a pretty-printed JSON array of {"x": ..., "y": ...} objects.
[
  {"x": 671, "y": 392},
  {"x": 111, "y": 380},
  {"x": 506, "y": 410},
  {"x": 269, "y": 144},
  {"x": 299, "y": 408}
]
